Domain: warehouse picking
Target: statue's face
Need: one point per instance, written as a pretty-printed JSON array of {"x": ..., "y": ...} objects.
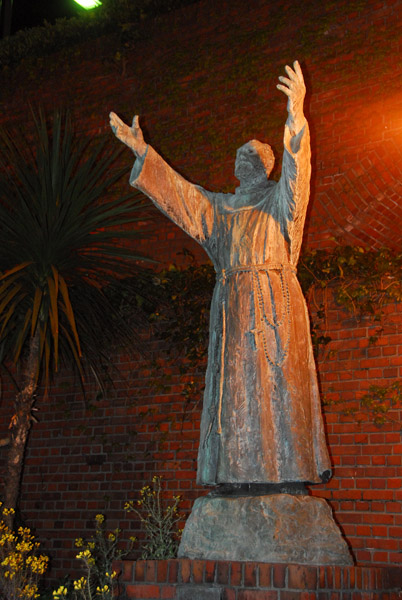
[{"x": 249, "y": 166}]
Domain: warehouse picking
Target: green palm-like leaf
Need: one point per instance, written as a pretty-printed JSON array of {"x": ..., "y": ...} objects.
[{"x": 64, "y": 236}]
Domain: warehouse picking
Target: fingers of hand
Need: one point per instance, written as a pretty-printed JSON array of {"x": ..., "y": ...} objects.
[
  {"x": 116, "y": 124},
  {"x": 294, "y": 84},
  {"x": 289, "y": 88},
  {"x": 292, "y": 75},
  {"x": 115, "y": 120},
  {"x": 298, "y": 70},
  {"x": 286, "y": 81},
  {"x": 113, "y": 123},
  {"x": 284, "y": 89},
  {"x": 295, "y": 75}
]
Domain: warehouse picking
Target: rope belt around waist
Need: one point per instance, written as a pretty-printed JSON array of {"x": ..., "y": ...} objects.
[
  {"x": 225, "y": 273},
  {"x": 255, "y": 269}
]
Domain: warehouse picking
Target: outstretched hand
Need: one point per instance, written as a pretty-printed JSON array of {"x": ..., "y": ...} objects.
[
  {"x": 131, "y": 136},
  {"x": 293, "y": 86}
]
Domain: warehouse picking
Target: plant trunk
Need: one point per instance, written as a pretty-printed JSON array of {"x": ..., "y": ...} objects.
[{"x": 20, "y": 426}]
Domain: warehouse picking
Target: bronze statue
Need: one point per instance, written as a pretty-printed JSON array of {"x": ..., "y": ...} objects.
[{"x": 261, "y": 420}]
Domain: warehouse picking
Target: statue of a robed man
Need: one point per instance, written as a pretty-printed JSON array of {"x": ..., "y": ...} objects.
[{"x": 261, "y": 420}]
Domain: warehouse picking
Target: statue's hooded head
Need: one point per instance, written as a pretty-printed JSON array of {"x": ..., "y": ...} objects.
[{"x": 254, "y": 162}]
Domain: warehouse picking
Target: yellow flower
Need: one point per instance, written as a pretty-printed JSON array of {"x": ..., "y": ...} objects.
[
  {"x": 79, "y": 542},
  {"x": 84, "y": 554},
  {"x": 38, "y": 563},
  {"x": 29, "y": 591},
  {"x": 99, "y": 519},
  {"x": 24, "y": 546},
  {"x": 8, "y": 511},
  {"x": 80, "y": 583},
  {"x": 112, "y": 576},
  {"x": 7, "y": 538},
  {"x": 111, "y": 537}
]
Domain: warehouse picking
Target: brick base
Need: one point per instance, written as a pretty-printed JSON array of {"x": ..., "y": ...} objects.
[{"x": 185, "y": 579}]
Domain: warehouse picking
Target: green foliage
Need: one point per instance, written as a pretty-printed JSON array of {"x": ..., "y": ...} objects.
[
  {"x": 183, "y": 318},
  {"x": 126, "y": 11},
  {"x": 362, "y": 280},
  {"x": 63, "y": 241},
  {"x": 380, "y": 400},
  {"x": 112, "y": 16},
  {"x": 375, "y": 405},
  {"x": 48, "y": 38},
  {"x": 160, "y": 521}
]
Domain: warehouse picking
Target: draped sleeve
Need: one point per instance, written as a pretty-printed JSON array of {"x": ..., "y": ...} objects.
[
  {"x": 294, "y": 186},
  {"x": 186, "y": 204}
]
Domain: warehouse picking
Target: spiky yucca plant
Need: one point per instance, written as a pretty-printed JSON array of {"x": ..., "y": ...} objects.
[{"x": 63, "y": 237}]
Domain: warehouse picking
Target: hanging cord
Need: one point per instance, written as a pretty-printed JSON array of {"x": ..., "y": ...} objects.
[{"x": 223, "y": 345}]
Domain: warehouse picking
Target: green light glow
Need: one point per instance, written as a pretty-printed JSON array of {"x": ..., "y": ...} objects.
[{"x": 88, "y": 4}]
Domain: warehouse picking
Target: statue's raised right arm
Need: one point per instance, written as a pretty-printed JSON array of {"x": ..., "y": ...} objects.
[{"x": 184, "y": 203}]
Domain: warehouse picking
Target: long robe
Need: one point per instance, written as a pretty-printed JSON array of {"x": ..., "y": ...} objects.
[{"x": 261, "y": 420}]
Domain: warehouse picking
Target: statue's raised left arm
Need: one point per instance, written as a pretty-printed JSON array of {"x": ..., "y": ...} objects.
[
  {"x": 294, "y": 185},
  {"x": 294, "y": 88}
]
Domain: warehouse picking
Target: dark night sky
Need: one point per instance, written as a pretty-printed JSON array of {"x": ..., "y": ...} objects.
[{"x": 28, "y": 13}]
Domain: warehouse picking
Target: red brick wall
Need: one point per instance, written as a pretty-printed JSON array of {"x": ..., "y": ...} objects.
[
  {"x": 203, "y": 79},
  {"x": 366, "y": 490},
  {"x": 257, "y": 581}
]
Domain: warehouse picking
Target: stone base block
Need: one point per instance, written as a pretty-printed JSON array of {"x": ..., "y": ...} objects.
[
  {"x": 201, "y": 592},
  {"x": 274, "y": 528}
]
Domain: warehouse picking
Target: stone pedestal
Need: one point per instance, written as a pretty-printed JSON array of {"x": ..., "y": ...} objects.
[{"x": 273, "y": 528}]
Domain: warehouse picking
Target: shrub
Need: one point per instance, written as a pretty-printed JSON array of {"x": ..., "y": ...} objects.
[
  {"x": 21, "y": 565},
  {"x": 97, "y": 555},
  {"x": 162, "y": 535}
]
